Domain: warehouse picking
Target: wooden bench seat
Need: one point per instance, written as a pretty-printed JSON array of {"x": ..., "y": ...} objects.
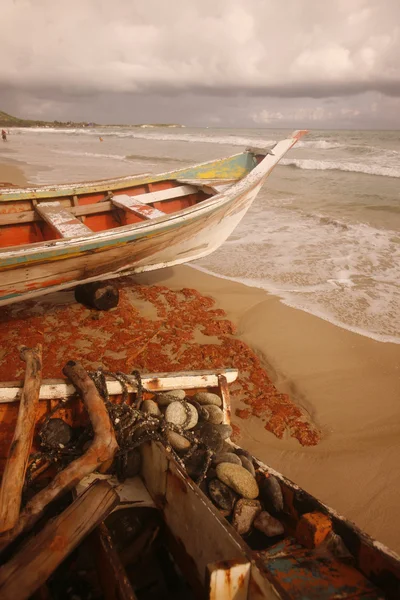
[
  {"x": 61, "y": 220},
  {"x": 134, "y": 205}
]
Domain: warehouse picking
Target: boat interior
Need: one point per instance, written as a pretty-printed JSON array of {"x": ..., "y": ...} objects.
[
  {"x": 33, "y": 220},
  {"x": 167, "y": 539}
]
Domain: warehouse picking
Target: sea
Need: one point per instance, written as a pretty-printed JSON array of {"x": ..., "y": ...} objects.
[{"x": 323, "y": 234}]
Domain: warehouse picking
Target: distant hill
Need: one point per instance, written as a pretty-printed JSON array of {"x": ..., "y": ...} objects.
[{"x": 7, "y": 120}]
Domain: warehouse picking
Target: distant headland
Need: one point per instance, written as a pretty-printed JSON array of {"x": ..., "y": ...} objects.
[{"x": 7, "y": 120}]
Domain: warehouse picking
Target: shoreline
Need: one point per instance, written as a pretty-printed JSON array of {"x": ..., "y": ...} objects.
[
  {"x": 348, "y": 384},
  {"x": 11, "y": 173}
]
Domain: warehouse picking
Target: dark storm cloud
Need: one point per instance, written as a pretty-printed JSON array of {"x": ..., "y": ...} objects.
[{"x": 61, "y": 59}]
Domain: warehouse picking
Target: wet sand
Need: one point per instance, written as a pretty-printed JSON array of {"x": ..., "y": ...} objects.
[
  {"x": 349, "y": 385},
  {"x": 11, "y": 175}
]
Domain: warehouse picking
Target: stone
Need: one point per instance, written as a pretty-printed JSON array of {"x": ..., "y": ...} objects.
[
  {"x": 150, "y": 408},
  {"x": 165, "y": 398},
  {"x": 247, "y": 464},
  {"x": 268, "y": 524},
  {"x": 227, "y": 444},
  {"x": 228, "y": 457},
  {"x": 56, "y": 434},
  {"x": 201, "y": 410},
  {"x": 239, "y": 479},
  {"x": 207, "y": 398},
  {"x": 215, "y": 414},
  {"x": 226, "y": 432},
  {"x": 221, "y": 495},
  {"x": 177, "y": 441},
  {"x": 209, "y": 435},
  {"x": 271, "y": 494},
  {"x": 194, "y": 416},
  {"x": 195, "y": 464},
  {"x": 176, "y": 413},
  {"x": 244, "y": 514},
  {"x": 243, "y": 452}
]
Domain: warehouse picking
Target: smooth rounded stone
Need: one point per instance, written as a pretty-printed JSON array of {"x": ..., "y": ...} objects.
[
  {"x": 195, "y": 464},
  {"x": 207, "y": 398},
  {"x": 226, "y": 432},
  {"x": 247, "y": 464},
  {"x": 150, "y": 408},
  {"x": 215, "y": 414},
  {"x": 221, "y": 495},
  {"x": 176, "y": 413},
  {"x": 177, "y": 441},
  {"x": 165, "y": 398},
  {"x": 242, "y": 452},
  {"x": 271, "y": 494},
  {"x": 227, "y": 445},
  {"x": 209, "y": 435},
  {"x": 239, "y": 479},
  {"x": 194, "y": 416},
  {"x": 228, "y": 457},
  {"x": 268, "y": 524},
  {"x": 244, "y": 514},
  {"x": 201, "y": 410}
]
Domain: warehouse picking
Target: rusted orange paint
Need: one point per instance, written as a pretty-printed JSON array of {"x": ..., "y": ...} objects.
[{"x": 312, "y": 529}]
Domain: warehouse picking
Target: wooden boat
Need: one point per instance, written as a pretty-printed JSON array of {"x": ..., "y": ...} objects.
[
  {"x": 56, "y": 237},
  {"x": 213, "y": 560}
]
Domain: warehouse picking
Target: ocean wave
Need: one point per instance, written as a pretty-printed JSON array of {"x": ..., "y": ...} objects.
[
  {"x": 319, "y": 144},
  {"x": 322, "y": 165},
  {"x": 91, "y": 154}
]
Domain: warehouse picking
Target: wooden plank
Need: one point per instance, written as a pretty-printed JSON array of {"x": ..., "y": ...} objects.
[
  {"x": 228, "y": 580},
  {"x": 30, "y": 216},
  {"x": 18, "y": 457},
  {"x": 158, "y": 196},
  {"x": 61, "y": 220},
  {"x": 38, "y": 559},
  {"x": 154, "y": 382},
  {"x": 132, "y": 204}
]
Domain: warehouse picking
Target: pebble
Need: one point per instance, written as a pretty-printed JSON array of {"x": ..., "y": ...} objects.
[
  {"x": 177, "y": 441},
  {"x": 244, "y": 514},
  {"x": 194, "y": 416},
  {"x": 242, "y": 452},
  {"x": 195, "y": 464},
  {"x": 268, "y": 524},
  {"x": 165, "y": 398},
  {"x": 215, "y": 414},
  {"x": 176, "y": 413},
  {"x": 247, "y": 464},
  {"x": 271, "y": 494},
  {"x": 209, "y": 434},
  {"x": 239, "y": 479},
  {"x": 207, "y": 398},
  {"x": 228, "y": 457},
  {"x": 226, "y": 432},
  {"x": 201, "y": 410},
  {"x": 151, "y": 408},
  {"x": 221, "y": 495}
]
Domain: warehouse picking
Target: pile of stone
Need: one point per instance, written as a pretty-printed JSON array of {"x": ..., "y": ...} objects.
[{"x": 195, "y": 423}]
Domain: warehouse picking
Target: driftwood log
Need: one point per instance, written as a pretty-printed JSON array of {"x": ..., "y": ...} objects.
[
  {"x": 97, "y": 295},
  {"x": 102, "y": 449},
  {"x": 37, "y": 560},
  {"x": 18, "y": 457}
]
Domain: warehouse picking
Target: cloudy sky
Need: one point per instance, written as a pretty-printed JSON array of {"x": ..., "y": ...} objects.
[{"x": 241, "y": 63}]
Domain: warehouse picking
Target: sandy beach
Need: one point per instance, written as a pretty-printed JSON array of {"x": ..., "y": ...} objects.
[
  {"x": 11, "y": 175},
  {"x": 349, "y": 385}
]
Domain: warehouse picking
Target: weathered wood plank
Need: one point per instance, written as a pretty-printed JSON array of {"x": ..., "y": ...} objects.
[
  {"x": 61, "y": 220},
  {"x": 134, "y": 205},
  {"x": 58, "y": 388},
  {"x": 159, "y": 195},
  {"x": 228, "y": 580},
  {"x": 38, "y": 559},
  {"x": 18, "y": 457}
]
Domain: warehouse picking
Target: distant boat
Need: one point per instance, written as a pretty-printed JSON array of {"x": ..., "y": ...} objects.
[{"x": 56, "y": 237}]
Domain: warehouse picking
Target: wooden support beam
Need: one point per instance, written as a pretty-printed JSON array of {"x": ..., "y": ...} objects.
[
  {"x": 38, "y": 559},
  {"x": 18, "y": 457}
]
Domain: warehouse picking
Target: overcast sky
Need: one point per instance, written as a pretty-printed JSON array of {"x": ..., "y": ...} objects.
[{"x": 235, "y": 63}]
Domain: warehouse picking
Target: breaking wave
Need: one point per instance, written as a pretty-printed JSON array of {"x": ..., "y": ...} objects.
[{"x": 323, "y": 165}]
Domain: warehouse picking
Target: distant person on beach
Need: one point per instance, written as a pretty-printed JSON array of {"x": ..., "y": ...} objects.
[
  {"x": 101, "y": 139},
  {"x": 4, "y": 135}
]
